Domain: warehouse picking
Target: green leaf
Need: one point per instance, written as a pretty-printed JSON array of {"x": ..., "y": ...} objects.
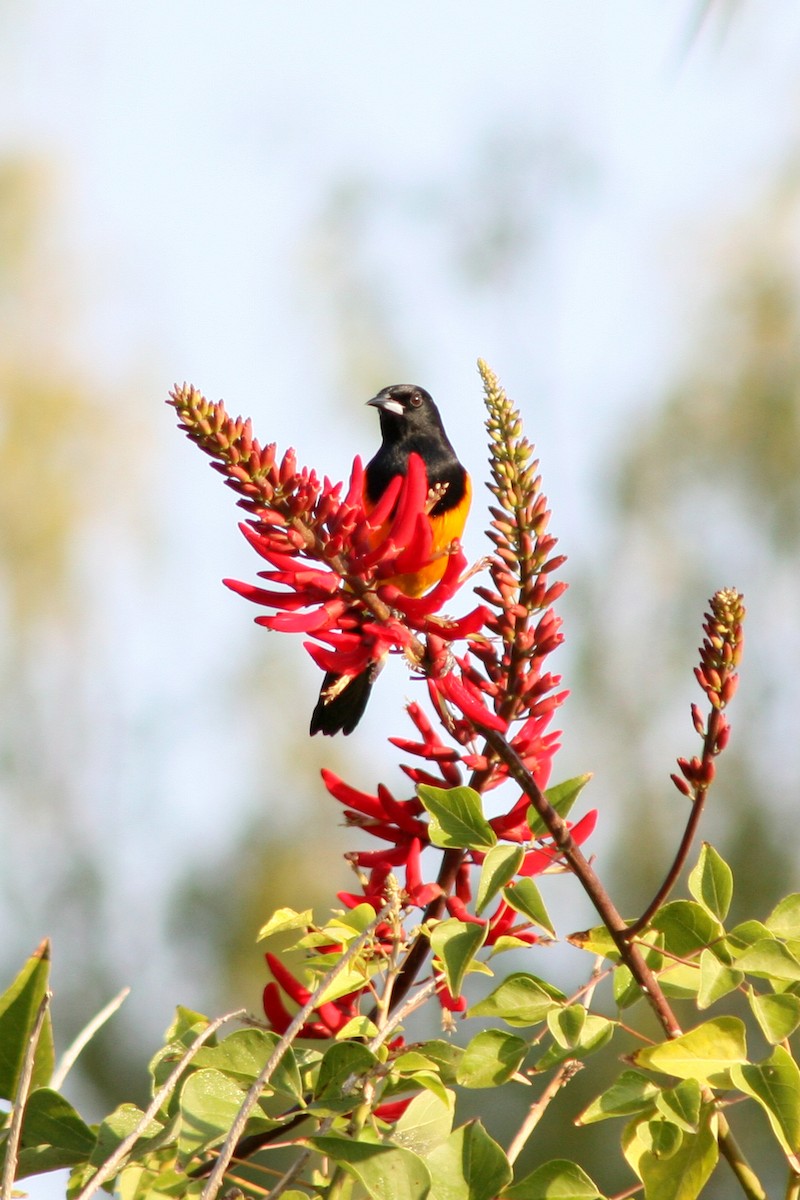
[
  {"x": 663, "y": 1138},
  {"x": 209, "y": 1102},
  {"x": 507, "y": 942},
  {"x": 120, "y": 1124},
  {"x": 784, "y": 920},
  {"x": 54, "y": 1136},
  {"x": 456, "y": 818},
  {"x": 778, "y": 1015},
  {"x": 340, "y": 1072},
  {"x": 558, "y": 1179},
  {"x": 468, "y": 1166},
  {"x": 519, "y": 1000},
  {"x": 595, "y": 1033},
  {"x": 746, "y": 934},
  {"x": 138, "y": 1182},
  {"x": 596, "y": 941},
  {"x": 38, "y": 1160},
  {"x": 51, "y": 1119},
  {"x": 561, "y": 796},
  {"x": 19, "y": 1005},
  {"x": 711, "y": 882},
  {"x": 500, "y": 865},
  {"x": 186, "y": 1025},
  {"x": 683, "y": 1174},
  {"x": 456, "y": 943},
  {"x": 524, "y": 897},
  {"x": 681, "y": 980},
  {"x": 413, "y": 1060},
  {"x": 716, "y": 980},
  {"x": 431, "y": 1081},
  {"x": 706, "y": 1053},
  {"x": 426, "y": 1123},
  {"x": 352, "y": 922},
  {"x": 632, "y": 1093},
  {"x": 687, "y": 927},
  {"x": 357, "y": 1027},
  {"x": 679, "y": 1176},
  {"x": 350, "y": 980},
  {"x": 387, "y": 1172},
  {"x": 775, "y": 1085},
  {"x": 284, "y": 920},
  {"x": 445, "y": 1056},
  {"x": 681, "y": 1105},
  {"x": 769, "y": 959},
  {"x": 567, "y": 1024},
  {"x": 491, "y": 1058},
  {"x": 245, "y": 1054}
]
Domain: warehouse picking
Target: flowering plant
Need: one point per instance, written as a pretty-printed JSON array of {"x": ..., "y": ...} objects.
[{"x": 331, "y": 1094}]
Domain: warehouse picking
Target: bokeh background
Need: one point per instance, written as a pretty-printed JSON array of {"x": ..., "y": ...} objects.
[{"x": 292, "y": 205}]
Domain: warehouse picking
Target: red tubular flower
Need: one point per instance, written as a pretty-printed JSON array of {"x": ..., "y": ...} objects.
[
  {"x": 327, "y": 555},
  {"x": 332, "y": 1015},
  {"x": 457, "y": 908},
  {"x": 392, "y": 1110},
  {"x": 501, "y": 925},
  {"x": 449, "y": 1002}
]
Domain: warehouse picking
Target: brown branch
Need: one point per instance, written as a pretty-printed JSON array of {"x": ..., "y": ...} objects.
[{"x": 559, "y": 830}]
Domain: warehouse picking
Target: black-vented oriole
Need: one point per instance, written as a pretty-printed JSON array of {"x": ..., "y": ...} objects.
[{"x": 410, "y": 423}]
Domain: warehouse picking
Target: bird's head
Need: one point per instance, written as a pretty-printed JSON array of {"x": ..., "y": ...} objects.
[{"x": 405, "y": 409}]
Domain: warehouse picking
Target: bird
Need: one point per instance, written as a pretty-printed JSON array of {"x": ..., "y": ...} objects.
[{"x": 410, "y": 424}]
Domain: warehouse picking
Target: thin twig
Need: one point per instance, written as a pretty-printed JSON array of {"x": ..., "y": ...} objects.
[
  {"x": 294, "y": 1170},
  {"x": 698, "y": 804},
  {"x": 68, "y": 1058},
  {"x": 537, "y": 1110},
  {"x": 792, "y": 1186},
  {"x": 21, "y": 1099},
  {"x": 398, "y": 1015},
  {"x": 256, "y": 1089},
  {"x": 108, "y": 1168}
]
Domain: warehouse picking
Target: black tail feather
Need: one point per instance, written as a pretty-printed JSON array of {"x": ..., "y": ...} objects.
[{"x": 342, "y": 701}]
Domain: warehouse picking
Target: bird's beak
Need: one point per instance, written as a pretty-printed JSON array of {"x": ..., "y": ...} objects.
[{"x": 387, "y": 404}]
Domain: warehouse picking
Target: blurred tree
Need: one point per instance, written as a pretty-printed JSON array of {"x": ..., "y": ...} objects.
[
  {"x": 85, "y": 763},
  {"x": 706, "y": 491},
  {"x": 58, "y": 470}
]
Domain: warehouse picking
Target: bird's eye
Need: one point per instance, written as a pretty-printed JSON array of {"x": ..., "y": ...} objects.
[{"x": 416, "y": 399}]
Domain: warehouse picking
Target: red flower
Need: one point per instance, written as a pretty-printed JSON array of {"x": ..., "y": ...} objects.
[
  {"x": 331, "y": 1016},
  {"x": 331, "y": 573}
]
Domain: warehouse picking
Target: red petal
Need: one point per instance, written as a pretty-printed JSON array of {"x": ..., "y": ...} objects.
[
  {"x": 275, "y": 1011},
  {"x": 285, "y": 600},
  {"x": 469, "y": 702},
  {"x": 298, "y": 622},
  {"x": 340, "y": 662},
  {"x": 392, "y": 1111},
  {"x": 293, "y": 987},
  {"x": 362, "y": 802}
]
